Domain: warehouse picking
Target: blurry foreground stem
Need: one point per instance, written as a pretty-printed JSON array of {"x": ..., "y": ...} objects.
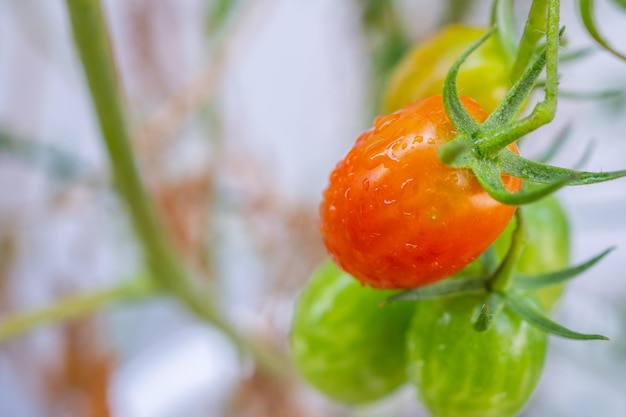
[
  {"x": 92, "y": 42},
  {"x": 74, "y": 306}
]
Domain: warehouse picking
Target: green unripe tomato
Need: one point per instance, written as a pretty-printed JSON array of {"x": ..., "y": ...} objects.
[
  {"x": 344, "y": 343},
  {"x": 547, "y": 247},
  {"x": 460, "y": 372},
  {"x": 484, "y": 76}
]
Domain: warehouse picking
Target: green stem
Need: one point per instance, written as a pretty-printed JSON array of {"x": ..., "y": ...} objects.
[
  {"x": 73, "y": 307},
  {"x": 91, "y": 39},
  {"x": 533, "y": 32},
  {"x": 553, "y": 38},
  {"x": 92, "y": 42},
  {"x": 502, "y": 279}
]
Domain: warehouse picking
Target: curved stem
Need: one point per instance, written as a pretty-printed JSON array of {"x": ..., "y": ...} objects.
[
  {"x": 502, "y": 279},
  {"x": 587, "y": 15},
  {"x": 73, "y": 307},
  {"x": 553, "y": 38},
  {"x": 92, "y": 42}
]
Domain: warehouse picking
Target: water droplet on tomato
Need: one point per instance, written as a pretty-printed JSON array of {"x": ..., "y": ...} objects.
[
  {"x": 366, "y": 184},
  {"x": 392, "y": 151},
  {"x": 382, "y": 122},
  {"x": 404, "y": 184}
]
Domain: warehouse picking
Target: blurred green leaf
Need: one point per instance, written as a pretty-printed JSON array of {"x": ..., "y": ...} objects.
[
  {"x": 387, "y": 41},
  {"x": 61, "y": 165},
  {"x": 586, "y": 8},
  {"x": 218, "y": 14},
  {"x": 455, "y": 11},
  {"x": 620, "y": 3}
]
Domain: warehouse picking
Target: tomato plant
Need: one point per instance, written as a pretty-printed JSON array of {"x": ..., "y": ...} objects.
[
  {"x": 421, "y": 73},
  {"x": 463, "y": 373},
  {"x": 428, "y": 188},
  {"x": 344, "y": 343},
  {"x": 395, "y": 216}
]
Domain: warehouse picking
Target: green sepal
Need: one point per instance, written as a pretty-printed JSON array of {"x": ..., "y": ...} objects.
[
  {"x": 526, "y": 169},
  {"x": 461, "y": 119},
  {"x": 527, "y": 310},
  {"x": 450, "y": 286},
  {"x": 488, "y": 176},
  {"x": 451, "y": 153},
  {"x": 486, "y": 312},
  {"x": 514, "y": 99},
  {"x": 586, "y": 13},
  {"x": 535, "y": 282}
]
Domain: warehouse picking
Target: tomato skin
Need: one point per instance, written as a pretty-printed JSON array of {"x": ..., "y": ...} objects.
[
  {"x": 484, "y": 76},
  {"x": 395, "y": 216},
  {"x": 460, "y": 372},
  {"x": 547, "y": 247},
  {"x": 344, "y": 343}
]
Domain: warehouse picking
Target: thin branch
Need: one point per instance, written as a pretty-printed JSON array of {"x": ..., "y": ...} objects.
[
  {"x": 74, "y": 306},
  {"x": 92, "y": 42}
]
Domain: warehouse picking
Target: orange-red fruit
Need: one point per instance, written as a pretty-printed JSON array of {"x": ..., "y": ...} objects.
[{"x": 394, "y": 216}]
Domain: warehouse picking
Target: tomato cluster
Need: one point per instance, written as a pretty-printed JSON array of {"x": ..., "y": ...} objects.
[
  {"x": 356, "y": 350},
  {"x": 423, "y": 201}
]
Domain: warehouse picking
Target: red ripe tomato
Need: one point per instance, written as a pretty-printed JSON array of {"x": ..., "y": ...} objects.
[{"x": 395, "y": 216}]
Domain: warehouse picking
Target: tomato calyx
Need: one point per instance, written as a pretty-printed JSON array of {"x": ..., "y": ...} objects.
[
  {"x": 502, "y": 286},
  {"x": 483, "y": 147}
]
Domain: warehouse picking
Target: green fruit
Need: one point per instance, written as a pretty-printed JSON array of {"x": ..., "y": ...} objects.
[
  {"x": 460, "y": 372},
  {"x": 344, "y": 342},
  {"x": 484, "y": 76}
]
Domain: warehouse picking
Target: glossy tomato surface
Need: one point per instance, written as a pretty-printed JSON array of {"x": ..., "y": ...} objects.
[
  {"x": 344, "y": 343},
  {"x": 459, "y": 372},
  {"x": 394, "y": 216},
  {"x": 484, "y": 76}
]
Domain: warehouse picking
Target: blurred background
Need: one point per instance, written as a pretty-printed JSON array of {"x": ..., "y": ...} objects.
[{"x": 239, "y": 110}]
